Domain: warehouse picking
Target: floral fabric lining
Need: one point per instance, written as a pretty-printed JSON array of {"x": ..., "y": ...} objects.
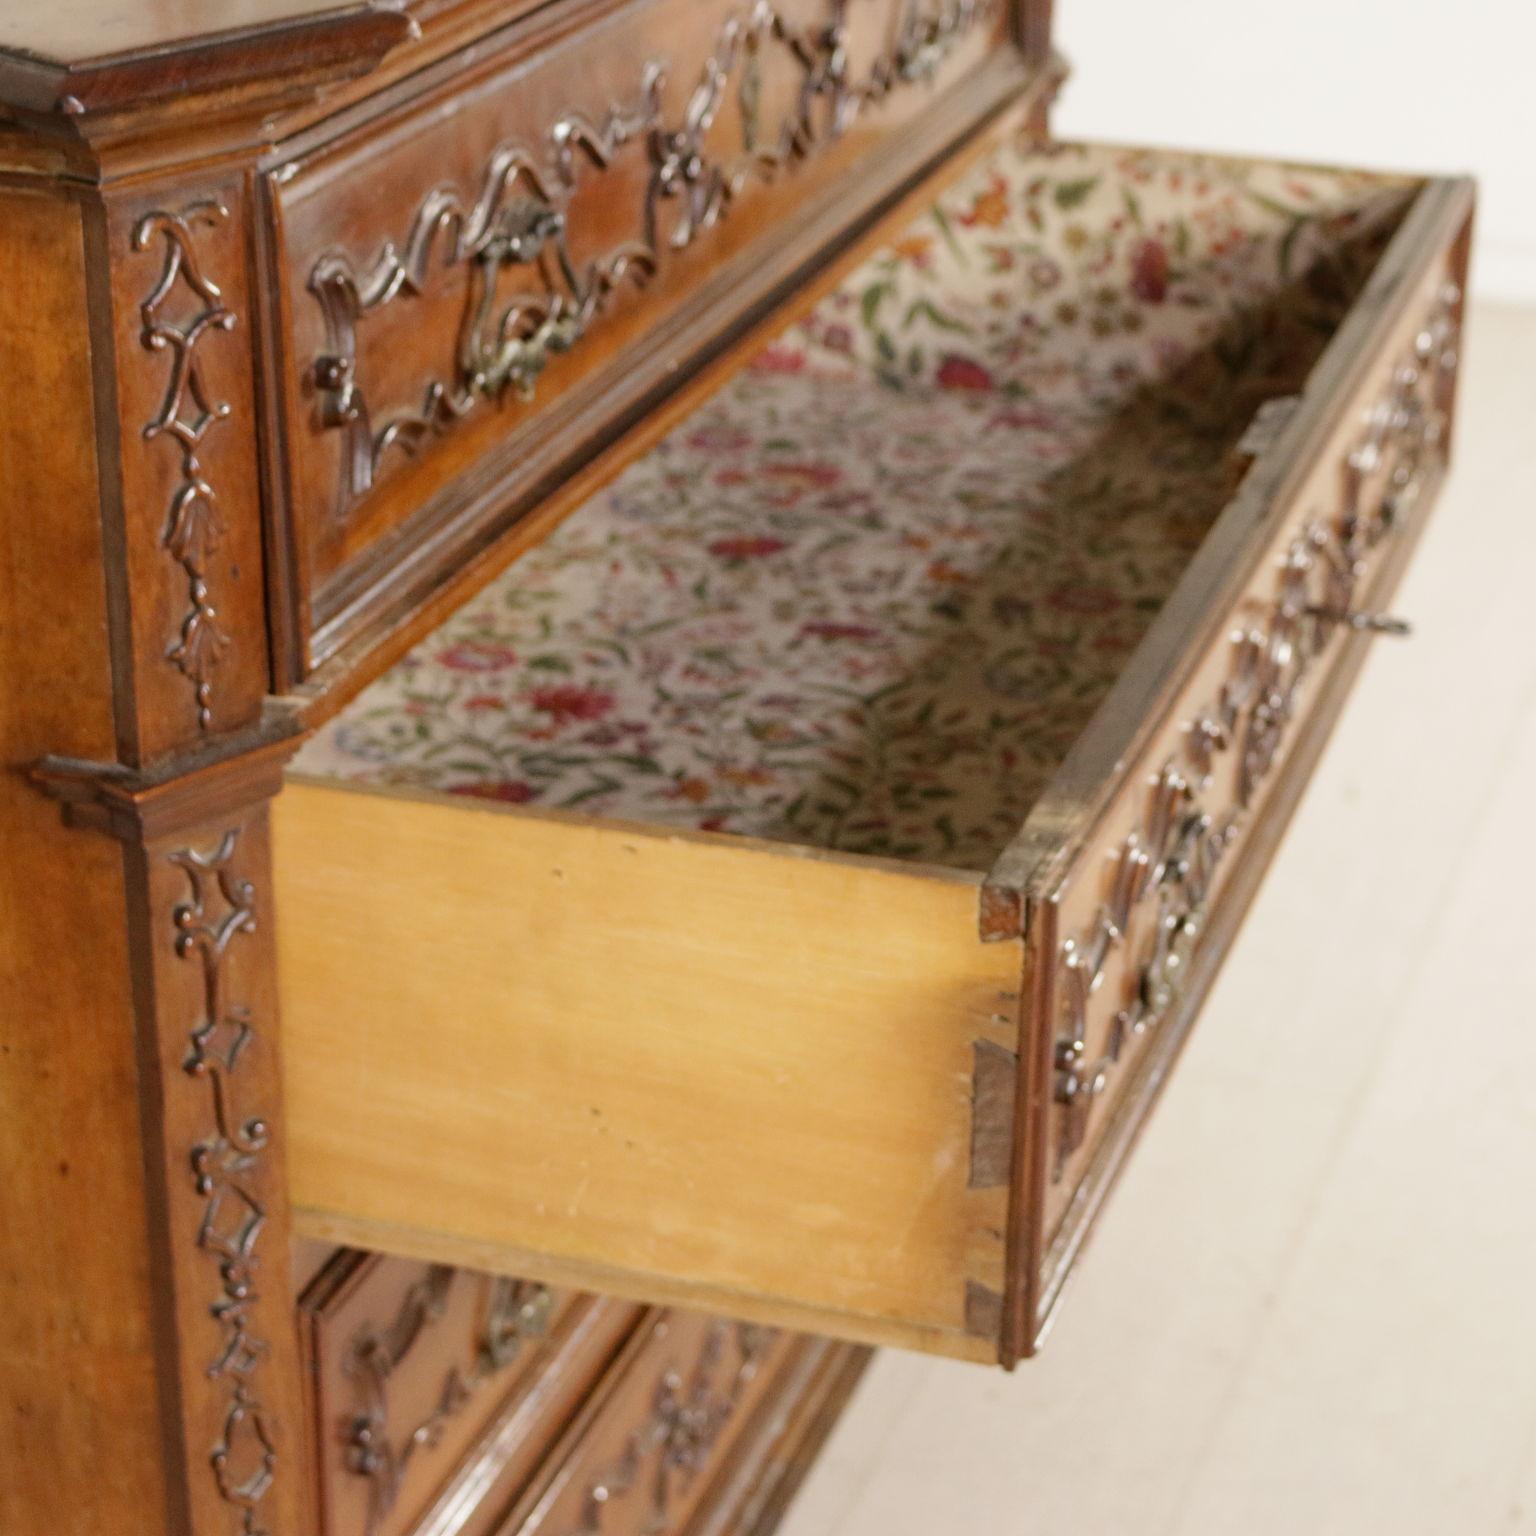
[{"x": 869, "y": 593}]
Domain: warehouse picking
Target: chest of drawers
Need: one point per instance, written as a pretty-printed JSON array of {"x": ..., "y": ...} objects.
[{"x": 650, "y": 650}]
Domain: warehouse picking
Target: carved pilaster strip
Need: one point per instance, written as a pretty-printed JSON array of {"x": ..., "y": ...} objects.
[
  {"x": 197, "y": 859},
  {"x": 220, "y": 909},
  {"x": 187, "y": 414}
]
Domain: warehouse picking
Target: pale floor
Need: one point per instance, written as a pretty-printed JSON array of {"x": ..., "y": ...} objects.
[{"x": 1311, "y": 1305}]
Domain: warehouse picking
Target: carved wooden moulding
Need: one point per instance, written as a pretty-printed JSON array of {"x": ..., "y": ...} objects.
[{"x": 568, "y": 229}]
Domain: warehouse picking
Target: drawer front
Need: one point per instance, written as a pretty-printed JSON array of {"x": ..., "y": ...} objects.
[
  {"x": 436, "y": 1390},
  {"x": 473, "y": 285},
  {"x": 1132, "y": 917},
  {"x": 663, "y": 1429}
]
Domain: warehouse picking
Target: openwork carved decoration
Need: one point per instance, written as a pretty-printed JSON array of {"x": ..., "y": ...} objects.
[
  {"x": 1166, "y": 868},
  {"x": 688, "y": 1414},
  {"x": 517, "y": 222},
  {"x": 516, "y": 1311},
  {"x": 225, "y": 1166},
  {"x": 187, "y": 414}
]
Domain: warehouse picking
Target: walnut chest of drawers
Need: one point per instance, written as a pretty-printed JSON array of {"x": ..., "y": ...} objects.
[{"x": 650, "y": 650}]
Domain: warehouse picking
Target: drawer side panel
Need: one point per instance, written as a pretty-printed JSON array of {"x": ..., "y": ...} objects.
[{"x": 642, "y": 1063}]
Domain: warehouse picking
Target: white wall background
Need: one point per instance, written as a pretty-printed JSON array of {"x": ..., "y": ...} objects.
[{"x": 1396, "y": 84}]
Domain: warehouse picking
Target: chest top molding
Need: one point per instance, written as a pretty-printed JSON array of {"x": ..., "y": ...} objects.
[{"x": 78, "y": 58}]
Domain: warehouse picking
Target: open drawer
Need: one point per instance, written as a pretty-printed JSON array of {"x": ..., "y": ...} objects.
[{"x": 786, "y": 888}]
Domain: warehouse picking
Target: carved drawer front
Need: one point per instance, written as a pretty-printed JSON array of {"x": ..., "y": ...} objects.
[
  {"x": 472, "y": 285},
  {"x": 1132, "y": 911},
  {"x": 803, "y": 868},
  {"x": 678, "y": 1407},
  {"x": 436, "y": 1391}
]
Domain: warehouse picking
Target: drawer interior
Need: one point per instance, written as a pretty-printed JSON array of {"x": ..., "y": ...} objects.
[
  {"x": 867, "y": 596},
  {"x": 629, "y": 927}
]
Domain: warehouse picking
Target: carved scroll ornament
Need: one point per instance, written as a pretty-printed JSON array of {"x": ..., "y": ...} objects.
[
  {"x": 1167, "y": 867},
  {"x": 187, "y": 414},
  {"x": 517, "y": 221}
]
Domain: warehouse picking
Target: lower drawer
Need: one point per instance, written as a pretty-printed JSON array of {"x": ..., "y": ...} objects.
[
  {"x": 786, "y": 889},
  {"x": 436, "y": 1392},
  {"x": 450, "y": 1403},
  {"x": 659, "y": 1441}
]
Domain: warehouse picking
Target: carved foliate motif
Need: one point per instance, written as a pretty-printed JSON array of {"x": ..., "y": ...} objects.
[
  {"x": 689, "y": 1412},
  {"x": 517, "y": 221},
  {"x": 187, "y": 414},
  {"x": 1166, "y": 868},
  {"x": 225, "y": 1170},
  {"x": 516, "y": 1311}
]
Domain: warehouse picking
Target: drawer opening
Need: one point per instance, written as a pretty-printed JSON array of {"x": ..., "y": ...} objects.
[{"x": 631, "y": 927}]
